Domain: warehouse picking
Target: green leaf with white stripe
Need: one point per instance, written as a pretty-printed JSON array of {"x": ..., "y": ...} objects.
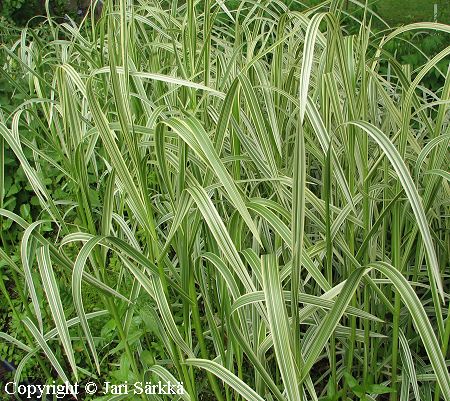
[
  {"x": 43, "y": 344},
  {"x": 411, "y": 192},
  {"x": 229, "y": 378},
  {"x": 54, "y": 301},
  {"x": 279, "y": 326},
  {"x": 422, "y": 323}
]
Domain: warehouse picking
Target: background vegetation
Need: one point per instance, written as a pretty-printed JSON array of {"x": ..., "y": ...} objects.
[
  {"x": 394, "y": 12},
  {"x": 248, "y": 199}
]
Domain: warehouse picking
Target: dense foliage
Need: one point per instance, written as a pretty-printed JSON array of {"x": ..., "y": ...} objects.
[{"x": 251, "y": 201}]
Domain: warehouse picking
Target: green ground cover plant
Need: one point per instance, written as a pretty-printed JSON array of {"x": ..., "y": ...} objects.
[{"x": 251, "y": 201}]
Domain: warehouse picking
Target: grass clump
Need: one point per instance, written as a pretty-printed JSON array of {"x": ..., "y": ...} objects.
[{"x": 251, "y": 202}]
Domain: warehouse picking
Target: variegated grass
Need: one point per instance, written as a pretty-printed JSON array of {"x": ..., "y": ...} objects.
[{"x": 277, "y": 198}]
